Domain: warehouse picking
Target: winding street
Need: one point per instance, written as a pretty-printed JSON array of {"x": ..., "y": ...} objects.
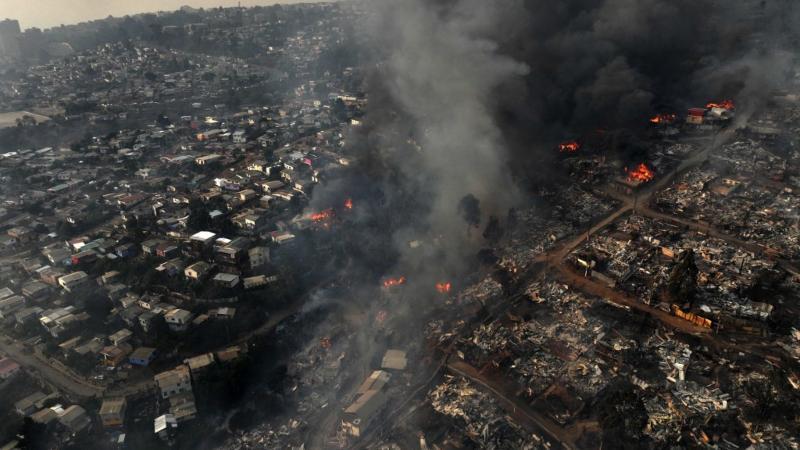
[{"x": 63, "y": 380}]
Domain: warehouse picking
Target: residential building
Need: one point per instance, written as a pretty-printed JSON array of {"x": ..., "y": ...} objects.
[
  {"x": 120, "y": 336},
  {"x": 30, "y": 404},
  {"x": 178, "y": 319},
  {"x": 10, "y": 305},
  {"x": 112, "y": 412},
  {"x": 142, "y": 356},
  {"x": 197, "y": 271},
  {"x": 35, "y": 290},
  {"x": 207, "y": 159},
  {"x": 258, "y": 281},
  {"x": 226, "y": 280},
  {"x": 204, "y": 238},
  {"x": 182, "y": 406},
  {"x": 272, "y": 186},
  {"x": 45, "y": 416},
  {"x": 75, "y": 419},
  {"x": 370, "y": 397},
  {"x": 73, "y": 281},
  {"x": 394, "y": 360},
  {"x": 164, "y": 426},
  {"x": 115, "y": 355},
  {"x": 199, "y": 364},
  {"x": 174, "y": 382},
  {"x": 8, "y": 368},
  {"x": 225, "y": 313}
]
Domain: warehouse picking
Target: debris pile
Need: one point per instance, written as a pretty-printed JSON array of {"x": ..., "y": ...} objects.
[
  {"x": 479, "y": 416},
  {"x": 484, "y": 292}
]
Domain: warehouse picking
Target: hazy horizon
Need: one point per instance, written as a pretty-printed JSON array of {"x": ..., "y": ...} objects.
[{"x": 52, "y": 13}]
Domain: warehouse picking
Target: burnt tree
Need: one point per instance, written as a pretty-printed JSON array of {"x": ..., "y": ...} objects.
[{"x": 682, "y": 284}]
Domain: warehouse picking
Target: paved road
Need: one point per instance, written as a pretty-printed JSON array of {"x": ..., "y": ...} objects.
[{"x": 67, "y": 383}]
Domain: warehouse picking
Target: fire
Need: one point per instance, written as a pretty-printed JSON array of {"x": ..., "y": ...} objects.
[
  {"x": 391, "y": 282},
  {"x": 325, "y": 343},
  {"x": 443, "y": 287},
  {"x": 322, "y": 215},
  {"x": 640, "y": 173},
  {"x": 569, "y": 147},
  {"x": 348, "y": 204},
  {"x": 725, "y": 104},
  {"x": 663, "y": 118}
]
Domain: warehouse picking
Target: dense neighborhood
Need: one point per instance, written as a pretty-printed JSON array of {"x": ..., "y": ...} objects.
[{"x": 199, "y": 248}]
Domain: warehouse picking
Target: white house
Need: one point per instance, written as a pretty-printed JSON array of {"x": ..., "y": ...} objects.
[{"x": 178, "y": 319}]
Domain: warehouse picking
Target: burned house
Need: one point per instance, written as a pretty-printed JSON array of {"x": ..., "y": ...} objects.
[{"x": 370, "y": 398}]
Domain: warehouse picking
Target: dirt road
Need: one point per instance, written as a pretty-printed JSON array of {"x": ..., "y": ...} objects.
[{"x": 524, "y": 414}]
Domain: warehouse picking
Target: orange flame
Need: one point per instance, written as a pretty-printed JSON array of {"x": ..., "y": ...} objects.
[
  {"x": 348, "y": 204},
  {"x": 725, "y": 104},
  {"x": 443, "y": 287},
  {"x": 391, "y": 282},
  {"x": 322, "y": 215},
  {"x": 663, "y": 118},
  {"x": 640, "y": 173},
  {"x": 569, "y": 147}
]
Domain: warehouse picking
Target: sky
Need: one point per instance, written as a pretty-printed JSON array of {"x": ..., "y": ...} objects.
[{"x": 49, "y": 13}]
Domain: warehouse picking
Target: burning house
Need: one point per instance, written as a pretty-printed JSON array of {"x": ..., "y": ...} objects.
[
  {"x": 663, "y": 119},
  {"x": 393, "y": 282},
  {"x": 713, "y": 114},
  {"x": 695, "y": 116},
  {"x": 634, "y": 178},
  {"x": 569, "y": 147}
]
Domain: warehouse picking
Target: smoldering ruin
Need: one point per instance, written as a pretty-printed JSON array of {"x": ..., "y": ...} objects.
[
  {"x": 433, "y": 224},
  {"x": 469, "y": 101}
]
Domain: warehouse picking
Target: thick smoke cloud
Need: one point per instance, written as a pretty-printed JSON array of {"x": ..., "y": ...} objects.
[
  {"x": 491, "y": 87},
  {"x": 467, "y": 96},
  {"x": 612, "y": 63},
  {"x": 442, "y": 71}
]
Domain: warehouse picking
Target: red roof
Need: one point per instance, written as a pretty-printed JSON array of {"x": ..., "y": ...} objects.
[{"x": 7, "y": 366}]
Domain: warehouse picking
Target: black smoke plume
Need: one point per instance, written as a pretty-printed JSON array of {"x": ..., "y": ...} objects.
[
  {"x": 497, "y": 84},
  {"x": 470, "y": 97}
]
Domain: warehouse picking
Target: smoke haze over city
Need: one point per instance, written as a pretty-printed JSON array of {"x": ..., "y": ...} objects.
[
  {"x": 399, "y": 224},
  {"x": 52, "y": 13}
]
